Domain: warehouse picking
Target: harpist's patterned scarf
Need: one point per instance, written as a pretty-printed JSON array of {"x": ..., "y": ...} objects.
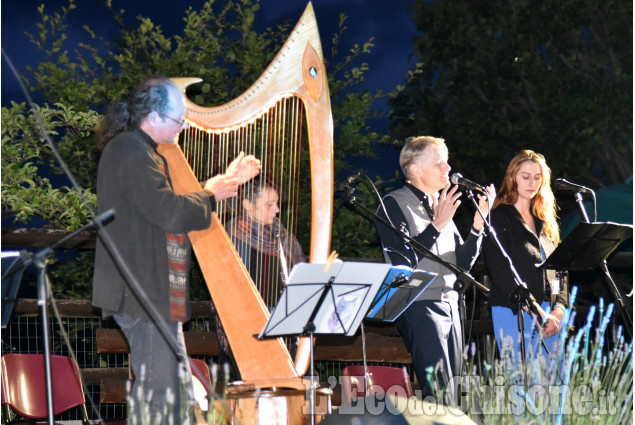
[
  {"x": 178, "y": 264},
  {"x": 178, "y": 246},
  {"x": 264, "y": 239}
]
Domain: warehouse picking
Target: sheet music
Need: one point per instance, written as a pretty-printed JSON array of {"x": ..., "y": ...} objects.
[
  {"x": 357, "y": 285},
  {"x": 352, "y": 289}
]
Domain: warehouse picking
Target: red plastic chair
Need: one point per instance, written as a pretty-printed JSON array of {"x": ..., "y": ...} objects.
[
  {"x": 202, "y": 381},
  {"x": 384, "y": 379},
  {"x": 24, "y": 385}
]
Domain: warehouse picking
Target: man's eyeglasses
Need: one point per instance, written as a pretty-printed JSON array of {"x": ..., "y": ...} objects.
[{"x": 180, "y": 123}]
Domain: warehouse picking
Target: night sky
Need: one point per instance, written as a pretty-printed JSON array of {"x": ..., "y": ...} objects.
[{"x": 388, "y": 21}]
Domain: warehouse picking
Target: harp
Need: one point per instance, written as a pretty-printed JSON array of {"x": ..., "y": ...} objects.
[{"x": 289, "y": 100}]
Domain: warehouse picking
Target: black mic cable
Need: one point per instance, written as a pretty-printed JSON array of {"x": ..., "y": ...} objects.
[{"x": 394, "y": 251}]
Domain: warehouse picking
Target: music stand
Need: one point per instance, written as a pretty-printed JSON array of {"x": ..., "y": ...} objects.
[
  {"x": 587, "y": 246},
  {"x": 402, "y": 287},
  {"x": 319, "y": 301}
]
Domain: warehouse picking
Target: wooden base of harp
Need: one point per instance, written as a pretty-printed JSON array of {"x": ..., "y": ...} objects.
[{"x": 272, "y": 406}]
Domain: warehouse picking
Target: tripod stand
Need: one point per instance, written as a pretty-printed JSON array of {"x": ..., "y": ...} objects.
[
  {"x": 43, "y": 289},
  {"x": 394, "y": 231},
  {"x": 317, "y": 301}
]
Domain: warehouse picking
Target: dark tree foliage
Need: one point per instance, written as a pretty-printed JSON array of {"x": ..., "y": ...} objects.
[{"x": 497, "y": 77}]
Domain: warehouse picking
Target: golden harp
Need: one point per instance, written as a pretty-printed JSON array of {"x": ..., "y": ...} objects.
[{"x": 289, "y": 99}]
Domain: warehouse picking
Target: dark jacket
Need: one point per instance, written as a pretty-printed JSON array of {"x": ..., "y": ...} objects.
[
  {"x": 405, "y": 207},
  {"x": 132, "y": 178},
  {"x": 523, "y": 247}
]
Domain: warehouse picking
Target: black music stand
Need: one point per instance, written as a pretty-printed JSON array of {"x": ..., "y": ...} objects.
[
  {"x": 319, "y": 301},
  {"x": 587, "y": 247},
  {"x": 401, "y": 288}
]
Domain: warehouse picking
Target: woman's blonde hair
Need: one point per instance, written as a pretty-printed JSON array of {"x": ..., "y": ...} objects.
[{"x": 543, "y": 205}]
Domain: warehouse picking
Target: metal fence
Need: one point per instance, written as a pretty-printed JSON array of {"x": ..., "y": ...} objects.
[{"x": 24, "y": 334}]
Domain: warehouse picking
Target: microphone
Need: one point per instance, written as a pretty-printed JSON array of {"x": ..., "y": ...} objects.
[
  {"x": 459, "y": 180},
  {"x": 344, "y": 184},
  {"x": 562, "y": 184},
  {"x": 399, "y": 280}
]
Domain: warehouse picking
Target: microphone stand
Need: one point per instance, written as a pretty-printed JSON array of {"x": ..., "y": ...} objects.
[
  {"x": 626, "y": 317},
  {"x": 519, "y": 296},
  {"x": 462, "y": 275},
  {"x": 461, "y": 287},
  {"x": 43, "y": 289},
  {"x": 130, "y": 280}
]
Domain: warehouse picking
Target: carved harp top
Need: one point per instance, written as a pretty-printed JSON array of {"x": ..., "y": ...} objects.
[{"x": 292, "y": 88}]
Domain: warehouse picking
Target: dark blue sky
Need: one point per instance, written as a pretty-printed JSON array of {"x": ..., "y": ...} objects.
[{"x": 388, "y": 21}]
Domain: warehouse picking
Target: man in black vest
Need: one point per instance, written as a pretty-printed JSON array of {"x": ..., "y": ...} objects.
[{"x": 431, "y": 326}]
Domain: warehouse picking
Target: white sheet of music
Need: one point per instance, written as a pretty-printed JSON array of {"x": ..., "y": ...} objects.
[{"x": 351, "y": 290}]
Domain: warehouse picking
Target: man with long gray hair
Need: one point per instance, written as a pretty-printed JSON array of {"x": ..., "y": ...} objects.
[{"x": 150, "y": 234}]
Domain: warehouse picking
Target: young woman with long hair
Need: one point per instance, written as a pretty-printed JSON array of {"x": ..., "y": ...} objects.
[{"x": 524, "y": 217}]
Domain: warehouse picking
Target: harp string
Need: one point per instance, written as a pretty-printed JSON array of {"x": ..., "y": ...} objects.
[{"x": 275, "y": 138}]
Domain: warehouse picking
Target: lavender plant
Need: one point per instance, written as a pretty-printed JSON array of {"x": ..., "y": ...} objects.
[{"x": 586, "y": 381}]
